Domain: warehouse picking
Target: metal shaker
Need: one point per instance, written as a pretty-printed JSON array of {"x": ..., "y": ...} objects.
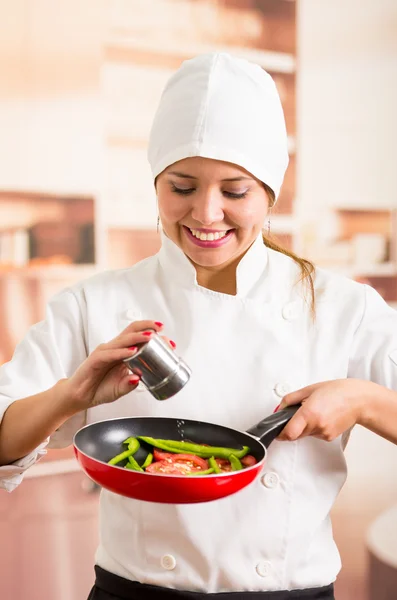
[{"x": 162, "y": 372}]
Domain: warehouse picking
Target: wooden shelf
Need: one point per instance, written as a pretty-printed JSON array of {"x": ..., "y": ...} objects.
[
  {"x": 127, "y": 141},
  {"x": 381, "y": 270},
  {"x": 149, "y": 52},
  {"x": 23, "y": 195},
  {"x": 51, "y": 272}
]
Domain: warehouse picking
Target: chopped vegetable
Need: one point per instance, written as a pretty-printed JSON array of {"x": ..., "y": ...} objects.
[
  {"x": 214, "y": 465},
  {"x": 148, "y": 460},
  {"x": 224, "y": 465},
  {"x": 207, "y": 472},
  {"x": 133, "y": 447},
  {"x": 248, "y": 460},
  {"x": 133, "y": 464},
  {"x": 171, "y": 457},
  {"x": 197, "y": 449},
  {"x": 133, "y": 444},
  {"x": 236, "y": 463}
]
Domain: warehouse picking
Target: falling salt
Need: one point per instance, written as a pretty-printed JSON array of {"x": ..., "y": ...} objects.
[{"x": 180, "y": 426}]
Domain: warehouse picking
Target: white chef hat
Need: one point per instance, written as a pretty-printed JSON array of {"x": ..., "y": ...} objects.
[{"x": 221, "y": 107}]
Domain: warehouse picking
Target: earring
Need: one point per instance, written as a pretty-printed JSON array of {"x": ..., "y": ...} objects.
[
  {"x": 158, "y": 223},
  {"x": 268, "y": 227}
]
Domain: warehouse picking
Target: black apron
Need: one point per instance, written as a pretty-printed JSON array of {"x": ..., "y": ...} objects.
[{"x": 112, "y": 587}]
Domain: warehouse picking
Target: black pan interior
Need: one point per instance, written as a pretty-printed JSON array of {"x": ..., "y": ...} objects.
[{"x": 104, "y": 439}]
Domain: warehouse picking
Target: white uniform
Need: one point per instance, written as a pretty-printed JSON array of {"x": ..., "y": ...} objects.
[{"x": 246, "y": 352}]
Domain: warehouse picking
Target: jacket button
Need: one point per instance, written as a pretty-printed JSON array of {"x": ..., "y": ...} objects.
[
  {"x": 264, "y": 568},
  {"x": 290, "y": 311},
  {"x": 168, "y": 562},
  {"x": 282, "y": 389},
  {"x": 270, "y": 480}
]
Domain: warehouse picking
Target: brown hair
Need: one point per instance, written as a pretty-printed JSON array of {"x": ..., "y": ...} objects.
[{"x": 307, "y": 269}]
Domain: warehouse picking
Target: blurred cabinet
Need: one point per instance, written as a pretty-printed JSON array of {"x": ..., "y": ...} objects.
[
  {"x": 50, "y": 106},
  {"x": 143, "y": 45},
  {"x": 50, "y": 525},
  {"x": 82, "y": 84}
]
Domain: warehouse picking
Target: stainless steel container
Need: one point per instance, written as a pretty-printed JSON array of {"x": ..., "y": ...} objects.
[{"x": 162, "y": 372}]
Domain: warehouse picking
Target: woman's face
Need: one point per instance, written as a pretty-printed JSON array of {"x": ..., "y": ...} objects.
[{"x": 212, "y": 210}]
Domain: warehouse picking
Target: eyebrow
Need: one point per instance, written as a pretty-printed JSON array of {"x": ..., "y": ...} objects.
[{"x": 186, "y": 176}]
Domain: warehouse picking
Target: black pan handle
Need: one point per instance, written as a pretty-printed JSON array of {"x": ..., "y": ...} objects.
[{"x": 270, "y": 427}]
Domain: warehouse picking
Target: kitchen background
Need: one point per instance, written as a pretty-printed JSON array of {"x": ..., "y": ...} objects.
[{"x": 79, "y": 83}]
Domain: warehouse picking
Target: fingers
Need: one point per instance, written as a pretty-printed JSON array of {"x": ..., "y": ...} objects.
[
  {"x": 110, "y": 356},
  {"x": 137, "y": 326},
  {"x": 126, "y": 344},
  {"x": 171, "y": 343},
  {"x": 137, "y": 332},
  {"x": 128, "y": 383},
  {"x": 297, "y": 396},
  {"x": 295, "y": 428},
  {"x": 128, "y": 339}
]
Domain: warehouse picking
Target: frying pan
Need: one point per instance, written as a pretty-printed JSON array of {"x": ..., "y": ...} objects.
[{"x": 95, "y": 444}]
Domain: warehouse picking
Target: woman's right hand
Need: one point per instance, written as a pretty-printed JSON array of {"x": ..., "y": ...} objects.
[{"x": 103, "y": 377}]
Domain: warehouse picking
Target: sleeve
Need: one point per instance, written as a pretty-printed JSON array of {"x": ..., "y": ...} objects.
[
  {"x": 51, "y": 350},
  {"x": 374, "y": 352}
]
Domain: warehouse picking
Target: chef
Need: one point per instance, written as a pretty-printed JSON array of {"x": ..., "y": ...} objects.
[{"x": 258, "y": 326}]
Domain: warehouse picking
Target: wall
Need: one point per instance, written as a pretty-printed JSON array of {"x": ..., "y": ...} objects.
[
  {"x": 347, "y": 94},
  {"x": 347, "y": 124}
]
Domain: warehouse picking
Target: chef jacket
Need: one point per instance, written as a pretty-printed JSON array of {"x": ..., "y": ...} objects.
[{"x": 246, "y": 352}]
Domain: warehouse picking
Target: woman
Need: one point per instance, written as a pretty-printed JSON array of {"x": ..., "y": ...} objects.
[{"x": 257, "y": 326}]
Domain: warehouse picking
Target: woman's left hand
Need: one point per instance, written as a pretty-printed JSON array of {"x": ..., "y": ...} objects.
[{"x": 328, "y": 408}]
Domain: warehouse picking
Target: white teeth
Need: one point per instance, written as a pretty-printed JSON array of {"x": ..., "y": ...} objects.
[{"x": 208, "y": 237}]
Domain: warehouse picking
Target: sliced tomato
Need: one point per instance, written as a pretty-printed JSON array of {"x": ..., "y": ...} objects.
[
  {"x": 171, "y": 457},
  {"x": 224, "y": 464},
  {"x": 173, "y": 467},
  {"x": 164, "y": 467},
  {"x": 177, "y": 464},
  {"x": 248, "y": 460},
  {"x": 160, "y": 455}
]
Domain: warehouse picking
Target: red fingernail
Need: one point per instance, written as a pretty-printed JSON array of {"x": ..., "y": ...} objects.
[
  {"x": 133, "y": 380},
  {"x": 158, "y": 324},
  {"x": 133, "y": 348},
  {"x": 276, "y": 409},
  {"x": 148, "y": 333},
  {"x": 172, "y": 344}
]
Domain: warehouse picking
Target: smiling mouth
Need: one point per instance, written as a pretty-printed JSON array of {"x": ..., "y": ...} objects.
[{"x": 208, "y": 236}]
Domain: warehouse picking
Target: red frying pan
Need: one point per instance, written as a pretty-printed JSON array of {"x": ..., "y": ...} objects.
[{"x": 96, "y": 444}]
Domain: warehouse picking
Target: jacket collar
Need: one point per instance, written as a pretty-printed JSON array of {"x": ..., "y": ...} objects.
[{"x": 180, "y": 270}]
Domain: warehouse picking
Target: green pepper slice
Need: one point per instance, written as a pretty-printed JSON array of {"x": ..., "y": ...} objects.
[
  {"x": 214, "y": 465},
  {"x": 148, "y": 460},
  {"x": 133, "y": 446},
  {"x": 193, "y": 473},
  {"x": 133, "y": 465},
  {"x": 189, "y": 448},
  {"x": 235, "y": 462}
]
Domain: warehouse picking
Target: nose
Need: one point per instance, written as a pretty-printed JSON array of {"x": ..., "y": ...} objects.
[{"x": 208, "y": 207}]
